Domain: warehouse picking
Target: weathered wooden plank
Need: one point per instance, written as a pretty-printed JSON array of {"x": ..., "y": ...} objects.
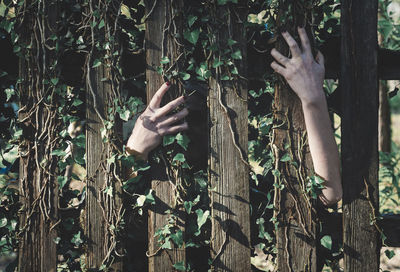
[
  {"x": 103, "y": 210},
  {"x": 296, "y": 234},
  {"x": 359, "y": 83},
  {"x": 38, "y": 185},
  {"x": 157, "y": 40},
  {"x": 388, "y": 68},
  {"x": 332, "y": 225},
  {"x": 99, "y": 205},
  {"x": 228, "y": 173}
]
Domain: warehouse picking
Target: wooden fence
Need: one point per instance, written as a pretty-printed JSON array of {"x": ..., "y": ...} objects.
[{"x": 230, "y": 247}]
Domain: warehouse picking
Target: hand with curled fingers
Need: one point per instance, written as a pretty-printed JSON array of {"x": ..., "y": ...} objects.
[
  {"x": 303, "y": 73},
  {"x": 154, "y": 123}
]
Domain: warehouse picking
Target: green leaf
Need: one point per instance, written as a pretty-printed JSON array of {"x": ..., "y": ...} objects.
[
  {"x": 164, "y": 60},
  {"x": 231, "y": 42},
  {"x": 54, "y": 81},
  {"x": 124, "y": 115},
  {"x": 326, "y": 242},
  {"x": 179, "y": 157},
  {"x": 188, "y": 206},
  {"x": 389, "y": 253},
  {"x": 202, "y": 217},
  {"x": 9, "y": 92},
  {"x": 192, "y": 36},
  {"x": 58, "y": 152},
  {"x": 3, "y": 222},
  {"x": 62, "y": 180},
  {"x": 191, "y": 20},
  {"x": 77, "y": 102},
  {"x": 168, "y": 139},
  {"x": 183, "y": 140},
  {"x": 101, "y": 24},
  {"x": 185, "y": 76},
  {"x": 222, "y": 2},
  {"x": 166, "y": 245},
  {"x": 237, "y": 55},
  {"x": 285, "y": 158},
  {"x": 76, "y": 239},
  {"x": 11, "y": 155},
  {"x": 177, "y": 238},
  {"x": 96, "y": 63},
  {"x": 217, "y": 63},
  {"x": 180, "y": 266}
]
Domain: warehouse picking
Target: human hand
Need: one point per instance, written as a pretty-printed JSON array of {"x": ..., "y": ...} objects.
[
  {"x": 303, "y": 73},
  {"x": 154, "y": 123}
]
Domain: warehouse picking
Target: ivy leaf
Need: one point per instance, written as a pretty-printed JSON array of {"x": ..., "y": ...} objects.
[
  {"x": 285, "y": 158},
  {"x": 164, "y": 60},
  {"x": 192, "y": 36},
  {"x": 179, "y": 157},
  {"x": 202, "y": 217},
  {"x": 9, "y": 92},
  {"x": 96, "y": 63},
  {"x": 326, "y": 242},
  {"x": 237, "y": 55},
  {"x": 124, "y": 115},
  {"x": 62, "y": 180},
  {"x": 77, "y": 102},
  {"x": 185, "y": 76},
  {"x": 3, "y": 222},
  {"x": 101, "y": 24},
  {"x": 191, "y": 20},
  {"x": 168, "y": 139},
  {"x": 177, "y": 238},
  {"x": 389, "y": 253},
  {"x": 77, "y": 240},
  {"x": 54, "y": 81},
  {"x": 188, "y": 206},
  {"x": 222, "y": 2},
  {"x": 217, "y": 63},
  {"x": 180, "y": 266},
  {"x": 166, "y": 245},
  {"x": 182, "y": 140},
  {"x": 231, "y": 42}
]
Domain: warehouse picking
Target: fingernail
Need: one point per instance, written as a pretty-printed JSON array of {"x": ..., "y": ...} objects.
[{"x": 168, "y": 83}]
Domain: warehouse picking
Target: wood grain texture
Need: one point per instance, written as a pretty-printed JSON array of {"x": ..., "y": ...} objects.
[
  {"x": 38, "y": 185},
  {"x": 228, "y": 174},
  {"x": 99, "y": 205},
  {"x": 297, "y": 229},
  {"x": 156, "y": 41},
  {"x": 359, "y": 83}
]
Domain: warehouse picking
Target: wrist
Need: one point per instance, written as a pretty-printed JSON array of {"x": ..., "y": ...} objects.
[
  {"x": 315, "y": 101},
  {"x": 131, "y": 149}
]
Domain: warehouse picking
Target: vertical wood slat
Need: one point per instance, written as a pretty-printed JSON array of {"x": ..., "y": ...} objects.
[
  {"x": 96, "y": 227},
  {"x": 359, "y": 83},
  {"x": 297, "y": 231},
  {"x": 37, "y": 249},
  {"x": 164, "y": 194},
  {"x": 228, "y": 174}
]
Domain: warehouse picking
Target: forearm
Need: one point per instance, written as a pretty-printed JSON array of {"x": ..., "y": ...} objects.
[{"x": 323, "y": 148}]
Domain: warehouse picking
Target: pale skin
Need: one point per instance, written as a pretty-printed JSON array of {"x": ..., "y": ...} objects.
[
  {"x": 154, "y": 123},
  {"x": 305, "y": 75}
]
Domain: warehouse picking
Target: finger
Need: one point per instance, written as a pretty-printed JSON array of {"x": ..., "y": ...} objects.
[
  {"x": 294, "y": 48},
  {"x": 156, "y": 99},
  {"x": 169, "y": 107},
  {"x": 175, "y": 129},
  {"x": 278, "y": 68},
  {"x": 281, "y": 59},
  {"x": 174, "y": 118},
  {"x": 305, "y": 42},
  {"x": 320, "y": 58}
]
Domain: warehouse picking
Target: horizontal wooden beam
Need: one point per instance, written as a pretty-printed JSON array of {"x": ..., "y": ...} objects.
[
  {"x": 388, "y": 62},
  {"x": 389, "y": 225}
]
